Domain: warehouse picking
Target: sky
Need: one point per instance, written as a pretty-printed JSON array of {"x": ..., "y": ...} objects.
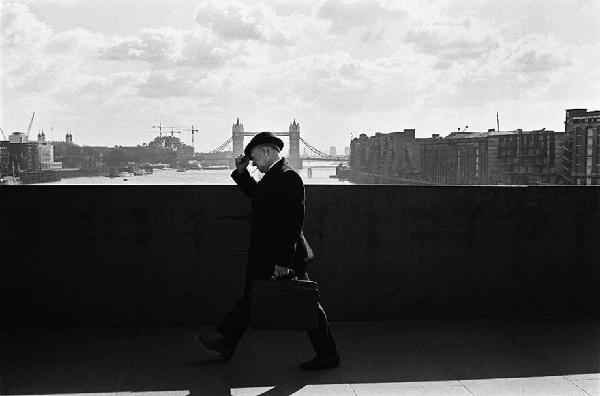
[{"x": 110, "y": 70}]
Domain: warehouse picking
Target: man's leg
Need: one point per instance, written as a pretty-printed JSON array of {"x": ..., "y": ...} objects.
[
  {"x": 322, "y": 341},
  {"x": 232, "y": 327},
  {"x": 321, "y": 337},
  {"x": 235, "y": 323}
]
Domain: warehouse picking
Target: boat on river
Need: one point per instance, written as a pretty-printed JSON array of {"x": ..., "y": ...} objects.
[{"x": 10, "y": 181}]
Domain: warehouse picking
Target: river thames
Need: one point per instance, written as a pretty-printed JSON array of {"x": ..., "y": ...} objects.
[{"x": 320, "y": 175}]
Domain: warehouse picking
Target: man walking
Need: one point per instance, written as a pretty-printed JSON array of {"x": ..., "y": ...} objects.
[{"x": 277, "y": 245}]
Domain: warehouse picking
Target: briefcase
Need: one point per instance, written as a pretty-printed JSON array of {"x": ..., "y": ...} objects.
[{"x": 284, "y": 304}]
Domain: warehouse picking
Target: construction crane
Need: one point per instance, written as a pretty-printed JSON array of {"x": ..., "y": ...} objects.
[
  {"x": 30, "y": 124},
  {"x": 191, "y": 130},
  {"x": 160, "y": 128},
  {"x": 3, "y": 135}
]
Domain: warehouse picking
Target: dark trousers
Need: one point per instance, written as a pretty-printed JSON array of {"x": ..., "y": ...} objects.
[{"x": 236, "y": 322}]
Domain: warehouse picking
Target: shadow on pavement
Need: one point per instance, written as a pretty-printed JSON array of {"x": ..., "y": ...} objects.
[{"x": 168, "y": 359}]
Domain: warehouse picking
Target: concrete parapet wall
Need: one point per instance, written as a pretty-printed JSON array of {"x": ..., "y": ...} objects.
[{"x": 175, "y": 255}]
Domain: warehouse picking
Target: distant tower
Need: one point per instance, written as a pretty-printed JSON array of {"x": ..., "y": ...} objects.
[
  {"x": 69, "y": 138},
  {"x": 294, "y": 159},
  {"x": 41, "y": 137},
  {"x": 237, "y": 134}
]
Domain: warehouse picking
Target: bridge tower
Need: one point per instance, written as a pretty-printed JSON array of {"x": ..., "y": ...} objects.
[
  {"x": 294, "y": 159},
  {"x": 237, "y": 133}
]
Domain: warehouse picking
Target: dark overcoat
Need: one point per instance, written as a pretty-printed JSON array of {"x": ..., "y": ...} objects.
[{"x": 276, "y": 236}]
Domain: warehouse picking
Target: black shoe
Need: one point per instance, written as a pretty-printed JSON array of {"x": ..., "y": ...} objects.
[
  {"x": 217, "y": 345},
  {"x": 322, "y": 362}
]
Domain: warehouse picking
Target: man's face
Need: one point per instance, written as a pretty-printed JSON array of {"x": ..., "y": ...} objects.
[{"x": 260, "y": 158}]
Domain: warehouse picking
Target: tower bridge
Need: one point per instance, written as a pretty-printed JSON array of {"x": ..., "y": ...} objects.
[
  {"x": 236, "y": 141},
  {"x": 294, "y": 160}
]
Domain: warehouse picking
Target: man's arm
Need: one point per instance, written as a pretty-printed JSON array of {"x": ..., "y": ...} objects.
[{"x": 242, "y": 177}]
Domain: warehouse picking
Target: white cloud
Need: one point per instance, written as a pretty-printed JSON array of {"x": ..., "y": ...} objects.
[
  {"x": 202, "y": 49},
  {"x": 275, "y": 24},
  {"x": 162, "y": 45},
  {"x": 61, "y": 3},
  {"x": 337, "y": 83},
  {"x": 25, "y": 68},
  {"x": 21, "y": 29},
  {"x": 565, "y": 21},
  {"x": 347, "y": 15},
  {"x": 450, "y": 40},
  {"x": 448, "y": 48},
  {"x": 81, "y": 41},
  {"x": 168, "y": 47},
  {"x": 166, "y": 84},
  {"x": 92, "y": 89},
  {"x": 521, "y": 70},
  {"x": 233, "y": 20},
  {"x": 536, "y": 54}
]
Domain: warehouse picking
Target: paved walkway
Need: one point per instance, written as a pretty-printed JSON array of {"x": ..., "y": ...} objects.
[{"x": 534, "y": 356}]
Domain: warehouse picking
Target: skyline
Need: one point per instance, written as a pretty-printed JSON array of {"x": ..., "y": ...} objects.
[{"x": 109, "y": 70}]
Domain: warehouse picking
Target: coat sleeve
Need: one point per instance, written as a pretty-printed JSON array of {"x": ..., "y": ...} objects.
[
  {"x": 246, "y": 182},
  {"x": 290, "y": 216}
]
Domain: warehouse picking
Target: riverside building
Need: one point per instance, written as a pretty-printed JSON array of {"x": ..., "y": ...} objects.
[
  {"x": 518, "y": 157},
  {"x": 582, "y": 147},
  {"x": 33, "y": 161}
]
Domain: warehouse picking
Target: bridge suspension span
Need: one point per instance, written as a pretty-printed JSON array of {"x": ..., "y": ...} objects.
[
  {"x": 318, "y": 153},
  {"x": 223, "y": 146}
]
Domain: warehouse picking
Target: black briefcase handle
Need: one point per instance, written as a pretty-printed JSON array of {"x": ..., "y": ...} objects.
[{"x": 290, "y": 276}]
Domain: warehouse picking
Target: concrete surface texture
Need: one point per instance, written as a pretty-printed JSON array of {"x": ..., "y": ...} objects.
[
  {"x": 143, "y": 256},
  {"x": 526, "y": 356}
]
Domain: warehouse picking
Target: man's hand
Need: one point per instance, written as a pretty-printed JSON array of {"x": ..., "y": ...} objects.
[
  {"x": 280, "y": 271},
  {"x": 241, "y": 162}
]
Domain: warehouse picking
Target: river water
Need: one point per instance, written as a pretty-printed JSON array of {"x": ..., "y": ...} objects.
[{"x": 320, "y": 175}]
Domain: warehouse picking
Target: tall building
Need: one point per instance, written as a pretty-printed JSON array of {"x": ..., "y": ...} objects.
[
  {"x": 4, "y": 159},
  {"x": 527, "y": 157},
  {"x": 347, "y": 151},
  {"x": 513, "y": 157},
  {"x": 46, "y": 153},
  {"x": 18, "y": 137},
  {"x": 21, "y": 155},
  {"x": 460, "y": 158},
  {"x": 582, "y": 147},
  {"x": 383, "y": 156},
  {"x": 332, "y": 151}
]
